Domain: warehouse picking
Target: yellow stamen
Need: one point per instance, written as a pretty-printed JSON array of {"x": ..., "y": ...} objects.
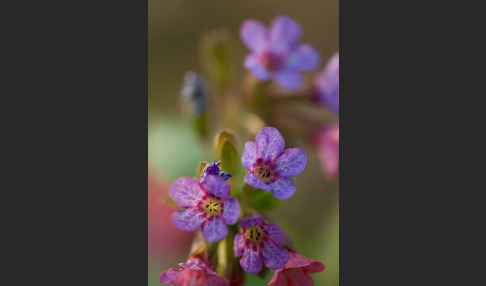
[
  {"x": 213, "y": 207},
  {"x": 254, "y": 233}
]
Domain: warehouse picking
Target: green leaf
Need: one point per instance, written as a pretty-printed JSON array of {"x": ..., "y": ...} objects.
[
  {"x": 200, "y": 169},
  {"x": 226, "y": 152},
  {"x": 260, "y": 200}
]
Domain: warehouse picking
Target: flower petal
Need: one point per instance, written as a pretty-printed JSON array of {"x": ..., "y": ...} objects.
[
  {"x": 284, "y": 35},
  {"x": 254, "y": 35},
  {"x": 315, "y": 266},
  {"x": 249, "y": 155},
  {"x": 329, "y": 150},
  {"x": 304, "y": 58},
  {"x": 188, "y": 220},
  {"x": 196, "y": 263},
  {"x": 275, "y": 233},
  {"x": 251, "y": 261},
  {"x": 289, "y": 79},
  {"x": 278, "y": 279},
  {"x": 171, "y": 276},
  {"x": 216, "y": 280},
  {"x": 251, "y": 221},
  {"x": 186, "y": 192},
  {"x": 283, "y": 188},
  {"x": 217, "y": 186},
  {"x": 297, "y": 276},
  {"x": 238, "y": 244},
  {"x": 291, "y": 162},
  {"x": 252, "y": 63},
  {"x": 270, "y": 143},
  {"x": 214, "y": 229},
  {"x": 327, "y": 84},
  {"x": 274, "y": 256},
  {"x": 231, "y": 211},
  {"x": 256, "y": 183}
]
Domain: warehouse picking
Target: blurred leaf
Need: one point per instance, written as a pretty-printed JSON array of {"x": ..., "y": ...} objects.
[
  {"x": 226, "y": 152},
  {"x": 217, "y": 57},
  {"x": 260, "y": 200},
  {"x": 200, "y": 125},
  {"x": 200, "y": 168},
  {"x": 168, "y": 200},
  {"x": 259, "y": 100}
]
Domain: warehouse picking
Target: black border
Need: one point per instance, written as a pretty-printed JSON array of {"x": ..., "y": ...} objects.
[{"x": 77, "y": 160}]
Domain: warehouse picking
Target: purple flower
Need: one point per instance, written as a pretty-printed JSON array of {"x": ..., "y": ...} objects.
[
  {"x": 214, "y": 169},
  {"x": 195, "y": 272},
  {"x": 328, "y": 148},
  {"x": 326, "y": 85},
  {"x": 259, "y": 242},
  {"x": 207, "y": 205},
  {"x": 276, "y": 53},
  {"x": 270, "y": 166}
]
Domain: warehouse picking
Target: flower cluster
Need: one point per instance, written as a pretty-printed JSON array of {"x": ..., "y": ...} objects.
[{"x": 211, "y": 203}]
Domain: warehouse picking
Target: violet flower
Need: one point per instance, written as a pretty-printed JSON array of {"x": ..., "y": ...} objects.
[
  {"x": 328, "y": 149},
  {"x": 214, "y": 169},
  {"x": 326, "y": 85},
  {"x": 296, "y": 271},
  {"x": 276, "y": 53},
  {"x": 260, "y": 242},
  {"x": 207, "y": 205},
  {"x": 269, "y": 166},
  {"x": 195, "y": 272}
]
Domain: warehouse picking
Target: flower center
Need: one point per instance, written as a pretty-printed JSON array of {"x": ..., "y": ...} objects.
[
  {"x": 212, "y": 207},
  {"x": 264, "y": 172},
  {"x": 254, "y": 234},
  {"x": 270, "y": 61}
]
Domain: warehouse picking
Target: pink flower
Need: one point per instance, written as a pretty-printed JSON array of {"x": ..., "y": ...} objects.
[
  {"x": 328, "y": 148},
  {"x": 296, "y": 271},
  {"x": 165, "y": 241},
  {"x": 195, "y": 272}
]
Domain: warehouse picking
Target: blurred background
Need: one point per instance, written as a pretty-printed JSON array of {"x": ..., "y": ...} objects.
[{"x": 176, "y": 30}]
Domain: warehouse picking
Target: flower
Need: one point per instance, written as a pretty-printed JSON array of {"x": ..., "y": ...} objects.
[
  {"x": 214, "y": 169},
  {"x": 276, "y": 53},
  {"x": 194, "y": 92},
  {"x": 207, "y": 205},
  {"x": 195, "y": 272},
  {"x": 328, "y": 149},
  {"x": 260, "y": 241},
  {"x": 326, "y": 85},
  {"x": 269, "y": 166},
  {"x": 296, "y": 271}
]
